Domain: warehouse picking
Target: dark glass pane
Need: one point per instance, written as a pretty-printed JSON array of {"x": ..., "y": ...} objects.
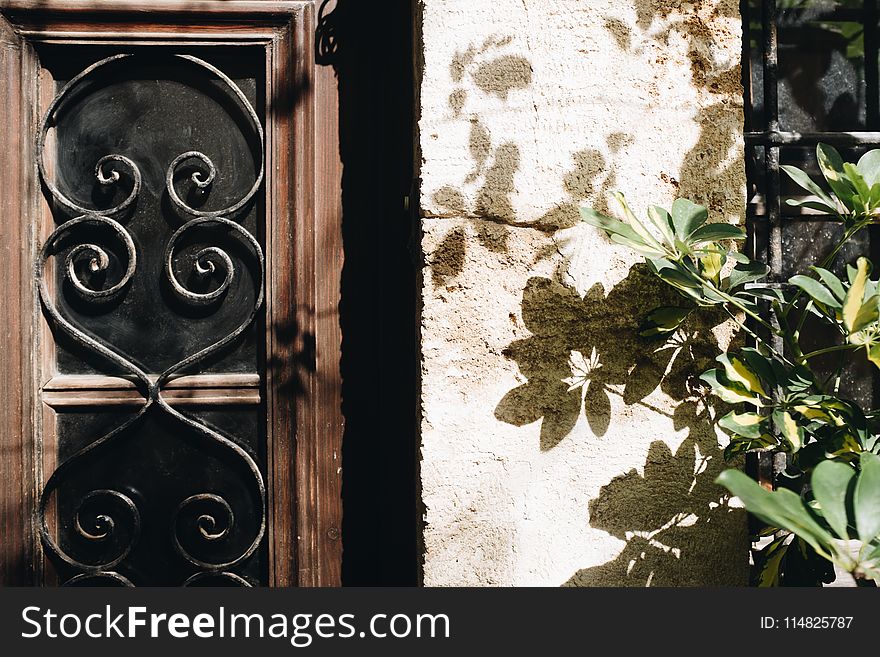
[
  {"x": 857, "y": 374},
  {"x": 821, "y": 68},
  {"x": 806, "y": 243},
  {"x": 754, "y": 78}
]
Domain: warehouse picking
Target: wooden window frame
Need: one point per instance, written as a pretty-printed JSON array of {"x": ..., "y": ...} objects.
[{"x": 303, "y": 255}]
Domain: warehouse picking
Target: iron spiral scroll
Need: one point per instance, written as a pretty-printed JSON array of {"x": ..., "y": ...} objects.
[{"x": 108, "y": 519}]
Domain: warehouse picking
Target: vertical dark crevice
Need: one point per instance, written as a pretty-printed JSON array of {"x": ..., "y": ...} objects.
[
  {"x": 370, "y": 47},
  {"x": 771, "y": 119},
  {"x": 872, "y": 67},
  {"x": 872, "y": 123}
]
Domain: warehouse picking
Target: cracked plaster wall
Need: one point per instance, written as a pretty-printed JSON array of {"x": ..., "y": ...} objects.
[{"x": 557, "y": 446}]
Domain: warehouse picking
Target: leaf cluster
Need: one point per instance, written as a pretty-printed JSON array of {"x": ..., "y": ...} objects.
[{"x": 782, "y": 401}]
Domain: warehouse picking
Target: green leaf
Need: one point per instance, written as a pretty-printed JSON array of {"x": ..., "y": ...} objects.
[
  {"x": 831, "y": 165},
  {"x": 747, "y": 273},
  {"x": 874, "y": 199},
  {"x": 661, "y": 219},
  {"x": 858, "y": 205},
  {"x": 858, "y": 182},
  {"x": 619, "y": 232},
  {"x": 874, "y": 353},
  {"x": 759, "y": 364},
  {"x": 869, "y": 167},
  {"x": 851, "y": 273},
  {"x": 804, "y": 181},
  {"x": 610, "y": 225},
  {"x": 813, "y": 205},
  {"x": 727, "y": 391},
  {"x": 739, "y": 257},
  {"x": 769, "y": 561},
  {"x": 831, "y": 486},
  {"x": 866, "y": 499},
  {"x": 766, "y": 293},
  {"x": 715, "y": 232},
  {"x": 831, "y": 282},
  {"x": 815, "y": 411},
  {"x": 748, "y": 425},
  {"x": 747, "y": 298},
  {"x": 868, "y": 314},
  {"x": 790, "y": 429},
  {"x": 853, "y": 301},
  {"x": 674, "y": 273},
  {"x": 738, "y": 372},
  {"x": 796, "y": 379},
  {"x": 781, "y": 508},
  {"x": 687, "y": 217},
  {"x": 663, "y": 320},
  {"x": 636, "y": 245},
  {"x": 873, "y": 558},
  {"x": 816, "y": 290},
  {"x": 740, "y": 445},
  {"x": 637, "y": 225}
]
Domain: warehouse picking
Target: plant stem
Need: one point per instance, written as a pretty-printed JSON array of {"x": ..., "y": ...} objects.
[
  {"x": 733, "y": 301},
  {"x": 791, "y": 339},
  {"x": 828, "y": 350},
  {"x": 757, "y": 337}
]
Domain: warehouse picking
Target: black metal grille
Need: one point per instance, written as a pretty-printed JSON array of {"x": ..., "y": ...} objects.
[
  {"x": 810, "y": 73},
  {"x": 153, "y": 494}
]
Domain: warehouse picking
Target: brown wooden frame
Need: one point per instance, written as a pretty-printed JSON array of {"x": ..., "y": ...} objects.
[{"x": 304, "y": 263}]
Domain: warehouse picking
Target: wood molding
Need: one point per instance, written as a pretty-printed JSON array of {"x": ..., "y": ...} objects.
[
  {"x": 243, "y": 11},
  {"x": 18, "y": 470},
  {"x": 71, "y": 390}
]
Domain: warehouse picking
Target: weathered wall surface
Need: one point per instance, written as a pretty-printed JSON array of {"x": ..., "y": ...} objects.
[{"x": 557, "y": 446}]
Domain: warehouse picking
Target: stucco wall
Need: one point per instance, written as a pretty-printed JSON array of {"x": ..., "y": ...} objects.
[{"x": 529, "y": 109}]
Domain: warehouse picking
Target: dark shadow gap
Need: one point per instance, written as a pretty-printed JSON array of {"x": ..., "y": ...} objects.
[{"x": 370, "y": 47}]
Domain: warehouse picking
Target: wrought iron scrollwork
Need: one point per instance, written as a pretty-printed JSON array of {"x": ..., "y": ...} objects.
[{"x": 110, "y": 518}]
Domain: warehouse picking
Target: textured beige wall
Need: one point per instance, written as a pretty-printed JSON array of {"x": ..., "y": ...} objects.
[{"x": 530, "y": 108}]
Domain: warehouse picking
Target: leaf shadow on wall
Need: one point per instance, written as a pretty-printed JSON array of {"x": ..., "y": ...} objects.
[
  {"x": 675, "y": 521},
  {"x": 490, "y": 73},
  {"x": 709, "y": 159},
  {"x": 583, "y": 353},
  {"x": 584, "y": 350}
]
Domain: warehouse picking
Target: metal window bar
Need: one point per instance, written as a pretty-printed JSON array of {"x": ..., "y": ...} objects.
[{"x": 765, "y": 218}]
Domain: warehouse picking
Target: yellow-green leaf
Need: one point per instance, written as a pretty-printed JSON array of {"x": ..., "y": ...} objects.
[
  {"x": 712, "y": 264},
  {"x": 732, "y": 393},
  {"x": 792, "y": 433},
  {"x": 815, "y": 414},
  {"x": 874, "y": 353},
  {"x": 856, "y": 294},
  {"x": 637, "y": 225},
  {"x": 661, "y": 219},
  {"x": 737, "y": 372},
  {"x": 743, "y": 424}
]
